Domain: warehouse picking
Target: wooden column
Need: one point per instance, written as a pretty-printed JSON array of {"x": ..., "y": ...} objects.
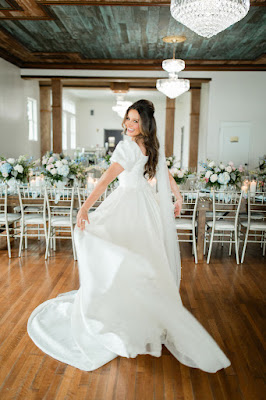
[
  {"x": 57, "y": 115},
  {"x": 194, "y": 128},
  {"x": 169, "y": 126},
  {"x": 45, "y": 119}
]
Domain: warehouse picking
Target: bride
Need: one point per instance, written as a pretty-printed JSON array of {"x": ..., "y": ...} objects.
[{"x": 128, "y": 302}]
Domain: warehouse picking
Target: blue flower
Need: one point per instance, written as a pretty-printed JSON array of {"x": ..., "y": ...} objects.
[
  {"x": 63, "y": 170},
  {"x": 223, "y": 178},
  {"x": 5, "y": 168}
]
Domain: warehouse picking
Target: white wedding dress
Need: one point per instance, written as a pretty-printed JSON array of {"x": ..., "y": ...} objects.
[{"x": 128, "y": 302}]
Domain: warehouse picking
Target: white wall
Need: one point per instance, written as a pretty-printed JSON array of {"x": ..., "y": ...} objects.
[
  {"x": 71, "y": 98},
  {"x": 182, "y": 119},
  {"x": 13, "y": 112},
  {"x": 238, "y": 97},
  {"x": 233, "y": 97},
  {"x": 90, "y": 128}
]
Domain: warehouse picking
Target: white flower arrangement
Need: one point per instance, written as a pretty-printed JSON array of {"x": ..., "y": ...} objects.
[
  {"x": 180, "y": 175},
  {"x": 170, "y": 161},
  {"x": 60, "y": 168},
  {"x": 15, "y": 170},
  {"x": 220, "y": 175}
]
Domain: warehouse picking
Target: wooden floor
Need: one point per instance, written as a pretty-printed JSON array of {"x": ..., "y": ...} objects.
[{"x": 227, "y": 299}]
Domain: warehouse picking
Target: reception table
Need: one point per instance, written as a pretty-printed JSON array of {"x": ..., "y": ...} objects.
[{"x": 204, "y": 205}]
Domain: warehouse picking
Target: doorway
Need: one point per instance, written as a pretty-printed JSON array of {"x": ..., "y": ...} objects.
[{"x": 111, "y": 138}]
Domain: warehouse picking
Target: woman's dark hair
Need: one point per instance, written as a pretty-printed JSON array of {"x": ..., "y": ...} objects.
[{"x": 148, "y": 130}]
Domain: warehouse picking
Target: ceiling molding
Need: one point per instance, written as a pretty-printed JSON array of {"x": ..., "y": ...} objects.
[
  {"x": 37, "y": 10},
  {"x": 131, "y": 83},
  {"x": 149, "y": 65}
]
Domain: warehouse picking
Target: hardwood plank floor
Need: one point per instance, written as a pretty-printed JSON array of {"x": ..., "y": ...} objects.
[{"x": 226, "y": 298}]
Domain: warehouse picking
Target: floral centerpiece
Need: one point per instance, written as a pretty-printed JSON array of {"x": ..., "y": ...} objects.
[
  {"x": 220, "y": 175},
  {"x": 170, "y": 161},
  {"x": 61, "y": 170},
  {"x": 180, "y": 175},
  {"x": 77, "y": 172},
  {"x": 14, "y": 170}
]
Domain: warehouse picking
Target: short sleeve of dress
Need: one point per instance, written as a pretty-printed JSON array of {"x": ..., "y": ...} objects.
[{"x": 125, "y": 154}]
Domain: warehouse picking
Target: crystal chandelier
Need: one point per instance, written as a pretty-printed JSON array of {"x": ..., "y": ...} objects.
[
  {"x": 173, "y": 86},
  {"x": 209, "y": 17},
  {"x": 121, "y": 106}
]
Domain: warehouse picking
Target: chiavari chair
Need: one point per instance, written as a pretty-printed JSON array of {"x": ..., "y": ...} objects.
[
  {"x": 224, "y": 224},
  {"x": 7, "y": 220},
  {"x": 61, "y": 224},
  {"x": 33, "y": 216},
  {"x": 186, "y": 223},
  {"x": 255, "y": 225}
]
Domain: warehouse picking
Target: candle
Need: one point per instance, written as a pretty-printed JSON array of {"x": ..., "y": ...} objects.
[
  {"x": 90, "y": 183},
  {"x": 32, "y": 182},
  {"x": 95, "y": 181},
  {"x": 244, "y": 188},
  {"x": 252, "y": 186}
]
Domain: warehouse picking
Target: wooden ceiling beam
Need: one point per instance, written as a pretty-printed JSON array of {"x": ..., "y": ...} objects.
[
  {"x": 152, "y": 65},
  {"x": 110, "y": 82}
]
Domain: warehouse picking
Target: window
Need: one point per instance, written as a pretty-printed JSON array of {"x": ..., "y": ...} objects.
[
  {"x": 69, "y": 106},
  {"x": 64, "y": 131},
  {"x": 68, "y": 125},
  {"x": 32, "y": 118},
  {"x": 73, "y": 131}
]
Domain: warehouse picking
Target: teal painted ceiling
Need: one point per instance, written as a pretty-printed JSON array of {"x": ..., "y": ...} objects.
[
  {"x": 123, "y": 32},
  {"x": 4, "y": 4}
]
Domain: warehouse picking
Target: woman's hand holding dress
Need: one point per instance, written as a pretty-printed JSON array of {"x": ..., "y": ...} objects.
[
  {"x": 113, "y": 171},
  {"x": 82, "y": 217}
]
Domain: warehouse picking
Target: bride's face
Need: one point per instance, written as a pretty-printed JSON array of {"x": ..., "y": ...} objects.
[{"x": 132, "y": 123}]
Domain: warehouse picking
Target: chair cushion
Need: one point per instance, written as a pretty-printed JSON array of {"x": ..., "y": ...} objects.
[
  {"x": 33, "y": 208},
  {"x": 210, "y": 214},
  {"x": 33, "y": 219},
  {"x": 184, "y": 223},
  {"x": 11, "y": 217},
  {"x": 222, "y": 225},
  {"x": 63, "y": 210},
  {"x": 255, "y": 226},
  {"x": 254, "y": 216},
  {"x": 60, "y": 220}
]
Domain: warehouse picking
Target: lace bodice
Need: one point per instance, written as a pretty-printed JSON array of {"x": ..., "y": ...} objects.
[{"x": 129, "y": 155}]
